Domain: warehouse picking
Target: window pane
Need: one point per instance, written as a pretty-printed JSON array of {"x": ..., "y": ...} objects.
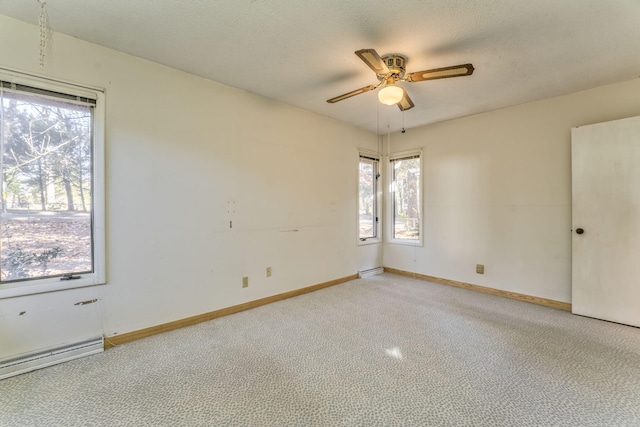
[
  {"x": 367, "y": 199},
  {"x": 406, "y": 199},
  {"x": 46, "y": 176}
]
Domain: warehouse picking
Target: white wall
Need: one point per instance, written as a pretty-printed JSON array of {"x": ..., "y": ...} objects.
[
  {"x": 497, "y": 191},
  {"x": 179, "y": 148}
]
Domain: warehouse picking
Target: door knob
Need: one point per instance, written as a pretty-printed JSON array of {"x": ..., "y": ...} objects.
[{"x": 579, "y": 230}]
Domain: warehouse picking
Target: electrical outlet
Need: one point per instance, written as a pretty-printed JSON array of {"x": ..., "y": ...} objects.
[
  {"x": 245, "y": 282},
  {"x": 268, "y": 271},
  {"x": 480, "y": 268}
]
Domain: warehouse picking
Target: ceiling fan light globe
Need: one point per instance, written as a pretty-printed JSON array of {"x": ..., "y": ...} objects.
[{"x": 390, "y": 95}]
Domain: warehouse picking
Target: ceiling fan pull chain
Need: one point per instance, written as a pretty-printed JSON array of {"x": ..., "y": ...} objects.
[{"x": 403, "y": 131}]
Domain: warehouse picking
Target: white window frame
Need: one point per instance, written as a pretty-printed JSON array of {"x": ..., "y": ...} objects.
[
  {"x": 390, "y": 199},
  {"x": 378, "y": 199},
  {"x": 98, "y": 276}
]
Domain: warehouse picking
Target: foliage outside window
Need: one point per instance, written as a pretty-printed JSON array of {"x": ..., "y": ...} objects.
[
  {"x": 406, "y": 198},
  {"x": 367, "y": 198},
  {"x": 47, "y": 174}
]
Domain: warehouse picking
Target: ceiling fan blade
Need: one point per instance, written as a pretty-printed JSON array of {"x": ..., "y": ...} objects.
[
  {"x": 440, "y": 73},
  {"x": 405, "y": 103},
  {"x": 352, "y": 93},
  {"x": 373, "y": 60}
]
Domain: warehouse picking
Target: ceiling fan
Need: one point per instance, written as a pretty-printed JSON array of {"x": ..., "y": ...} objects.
[{"x": 390, "y": 69}]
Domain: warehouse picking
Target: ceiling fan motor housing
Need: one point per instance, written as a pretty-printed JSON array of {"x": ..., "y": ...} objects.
[{"x": 395, "y": 63}]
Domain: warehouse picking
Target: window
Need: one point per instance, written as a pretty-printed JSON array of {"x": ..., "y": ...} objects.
[
  {"x": 51, "y": 205},
  {"x": 406, "y": 198},
  {"x": 368, "y": 197}
]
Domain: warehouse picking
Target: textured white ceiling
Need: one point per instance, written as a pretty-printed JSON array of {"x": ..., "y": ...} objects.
[{"x": 302, "y": 52}]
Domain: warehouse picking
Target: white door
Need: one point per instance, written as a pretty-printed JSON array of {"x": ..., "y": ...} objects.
[{"x": 605, "y": 161}]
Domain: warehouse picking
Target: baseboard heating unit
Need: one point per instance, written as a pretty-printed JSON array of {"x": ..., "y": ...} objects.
[
  {"x": 363, "y": 274},
  {"x": 43, "y": 358}
]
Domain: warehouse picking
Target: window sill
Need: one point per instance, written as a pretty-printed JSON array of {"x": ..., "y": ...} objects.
[
  {"x": 370, "y": 241},
  {"x": 13, "y": 290},
  {"x": 405, "y": 242}
]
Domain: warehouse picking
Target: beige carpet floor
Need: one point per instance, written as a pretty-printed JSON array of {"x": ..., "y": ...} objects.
[{"x": 383, "y": 351}]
